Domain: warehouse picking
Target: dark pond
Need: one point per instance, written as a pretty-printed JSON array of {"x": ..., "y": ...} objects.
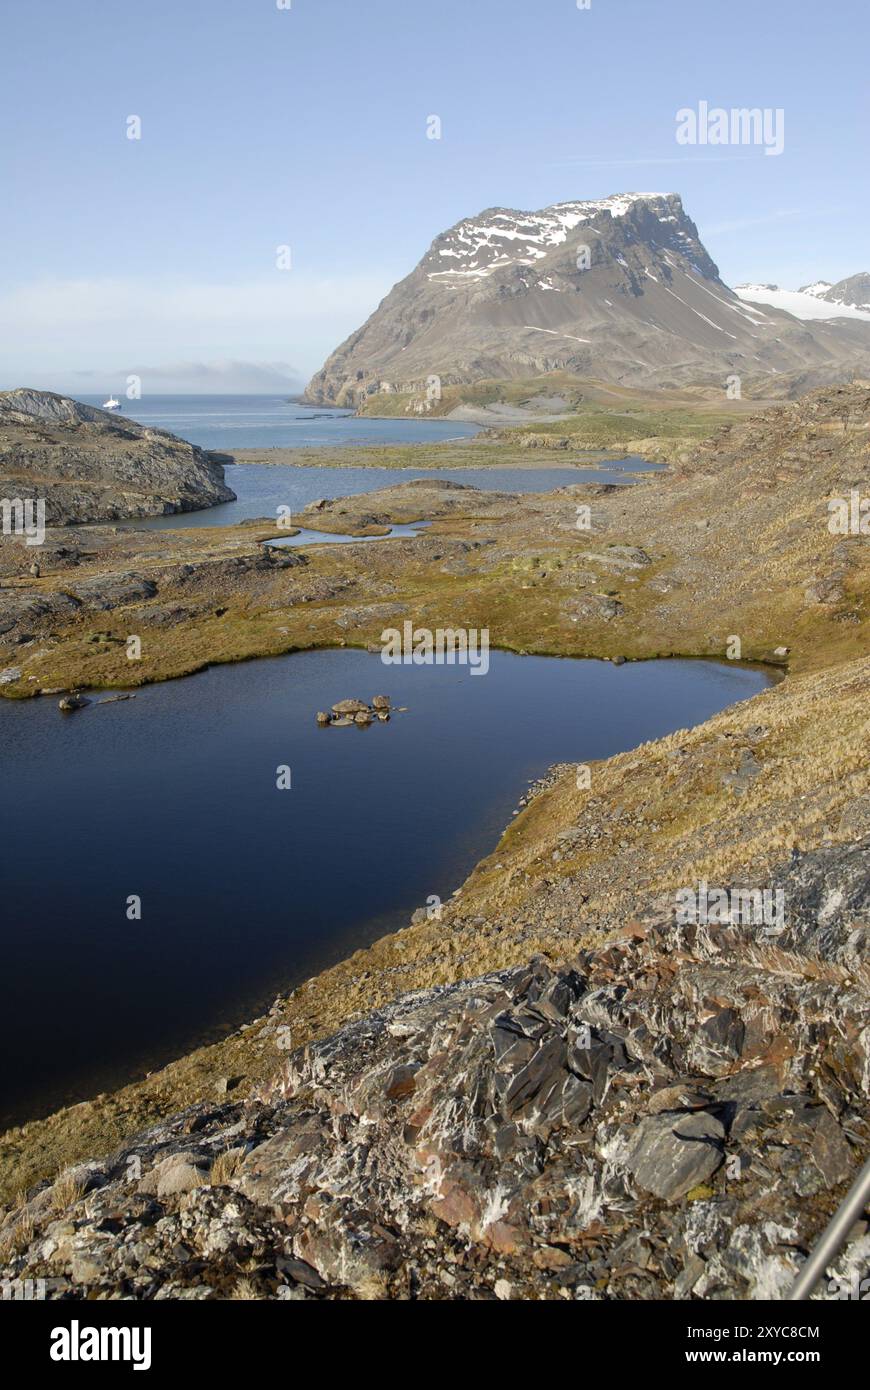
[{"x": 245, "y": 888}]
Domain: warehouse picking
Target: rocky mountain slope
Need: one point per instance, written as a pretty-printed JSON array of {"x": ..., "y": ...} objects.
[
  {"x": 853, "y": 292},
  {"x": 89, "y": 465},
  {"x": 619, "y": 289}
]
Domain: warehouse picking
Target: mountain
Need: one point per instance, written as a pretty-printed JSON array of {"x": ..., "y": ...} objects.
[
  {"x": 853, "y": 292},
  {"x": 88, "y": 465},
  {"x": 619, "y": 289},
  {"x": 847, "y": 299}
]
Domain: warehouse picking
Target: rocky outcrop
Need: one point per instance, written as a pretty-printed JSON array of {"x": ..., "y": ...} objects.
[
  {"x": 674, "y": 1113},
  {"x": 88, "y": 465},
  {"x": 617, "y": 289}
]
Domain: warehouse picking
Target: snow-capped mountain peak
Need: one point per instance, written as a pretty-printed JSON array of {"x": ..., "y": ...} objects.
[{"x": 499, "y": 238}]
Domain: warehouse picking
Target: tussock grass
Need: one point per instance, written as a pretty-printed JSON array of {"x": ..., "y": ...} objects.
[
  {"x": 245, "y": 1290},
  {"x": 17, "y": 1239},
  {"x": 67, "y": 1190},
  {"x": 225, "y": 1167}
]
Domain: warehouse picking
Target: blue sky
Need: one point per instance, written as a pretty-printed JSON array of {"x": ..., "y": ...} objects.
[{"x": 306, "y": 127}]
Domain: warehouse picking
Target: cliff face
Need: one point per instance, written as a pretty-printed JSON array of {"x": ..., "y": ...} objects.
[
  {"x": 89, "y": 465},
  {"x": 619, "y": 289},
  {"x": 673, "y": 1114}
]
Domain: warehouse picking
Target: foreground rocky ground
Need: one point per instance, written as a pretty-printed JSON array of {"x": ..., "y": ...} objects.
[
  {"x": 672, "y": 1114},
  {"x": 445, "y": 1126}
]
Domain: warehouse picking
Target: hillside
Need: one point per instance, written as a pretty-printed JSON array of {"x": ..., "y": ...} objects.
[{"x": 89, "y": 465}]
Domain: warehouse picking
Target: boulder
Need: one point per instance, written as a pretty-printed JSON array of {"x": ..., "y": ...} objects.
[
  {"x": 68, "y": 703},
  {"x": 349, "y": 707},
  {"x": 670, "y": 1154}
]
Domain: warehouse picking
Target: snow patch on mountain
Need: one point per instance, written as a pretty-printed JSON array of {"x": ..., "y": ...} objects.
[
  {"x": 503, "y": 237},
  {"x": 802, "y": 304}
]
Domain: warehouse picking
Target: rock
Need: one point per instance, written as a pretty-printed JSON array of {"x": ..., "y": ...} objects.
[
  {"x": 381, "y": 702},
  {"x": 105, "y": 592},
  {"x": 322, "y": 717},
  {"x": 828, "y": 590},
  {"x": 10, "y": 674},
  {"x": 740, "y": 780},
  {"x": 34, "y": 570},
  {"x": 363, "y": 717},
  {"x": 87, "y": 1267},
  {"x": 600, "y": 607},
  {"x": 679, "y": 1098},
  {"x": 72, "y": 702},
  {"x": 173, "y": 1176},
  {"x": 350, "y": 707},
  {"x": 669, "y": 1155},
  {"x": 301, "y": 1273}
]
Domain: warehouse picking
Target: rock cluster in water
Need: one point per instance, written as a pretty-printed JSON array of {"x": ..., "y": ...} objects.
[{"x": 347, "y": 712}]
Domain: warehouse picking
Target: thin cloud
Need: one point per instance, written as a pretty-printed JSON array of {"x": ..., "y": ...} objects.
[
  {"x": 226, "y": 375},
  {"x": 64, "y": 327}
]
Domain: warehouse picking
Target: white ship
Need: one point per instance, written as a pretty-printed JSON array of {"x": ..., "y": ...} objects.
[{"x": 111, "y": 404}]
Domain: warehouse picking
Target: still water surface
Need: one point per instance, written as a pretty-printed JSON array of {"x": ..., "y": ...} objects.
[{"x": 246, "y": 889}]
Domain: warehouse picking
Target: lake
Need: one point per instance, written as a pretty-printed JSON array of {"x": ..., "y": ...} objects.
[
  {"x": 246, "y": 889},
  {"x": 262, "y": 489}
]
